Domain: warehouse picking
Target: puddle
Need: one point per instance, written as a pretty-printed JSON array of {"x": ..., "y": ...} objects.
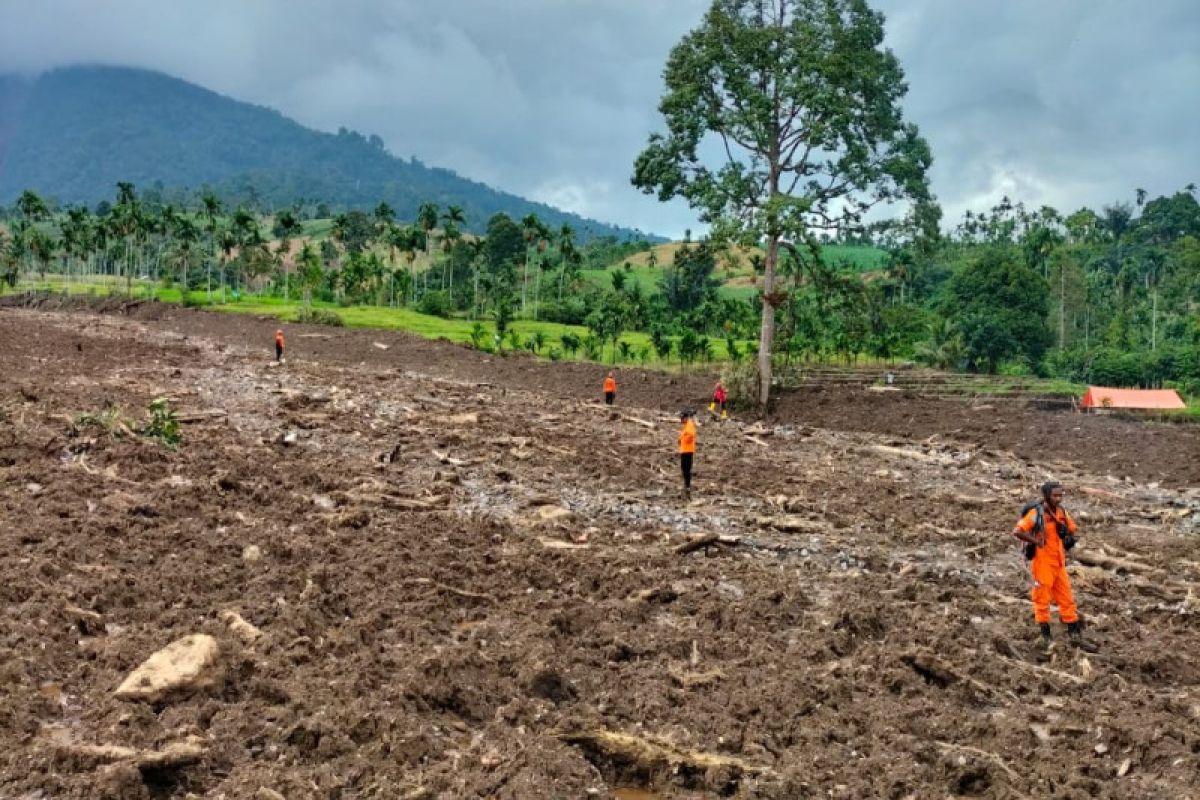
[{"x": 634, "y": 794}]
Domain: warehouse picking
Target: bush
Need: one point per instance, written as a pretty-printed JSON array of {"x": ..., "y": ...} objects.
[
  {"x": 571, "y": 311},
  {"x": 194, "y": 300},
  {"x": 741, "y": 383},
  {"x": 319, "y": 316},
  {"x": 436, "y": 304},
  {"x": 163, "y": 424}
]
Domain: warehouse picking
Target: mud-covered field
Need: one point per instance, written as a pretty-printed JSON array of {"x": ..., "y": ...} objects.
[{"x": 457, "y": 576}]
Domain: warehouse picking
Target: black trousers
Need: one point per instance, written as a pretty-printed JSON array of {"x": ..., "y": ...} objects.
[
  {"x": 278, "y": 351},
  {"x": 609, "y": 397},
  {"x": 685, "y": 464}
]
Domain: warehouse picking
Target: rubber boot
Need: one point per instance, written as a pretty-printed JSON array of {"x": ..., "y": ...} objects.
[
  {"x": 1047, "y": 639},
  {"x": 1075, "y": 635}
]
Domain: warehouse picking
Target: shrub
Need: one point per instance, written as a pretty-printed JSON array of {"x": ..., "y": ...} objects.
[
  {"x": 741, "y": 383},
  {"x": 163, "y": 424},
  {"x": 478, "y": 335},
  {"x": 437, "y": 304},
  {"x": 319, "y": 316}
]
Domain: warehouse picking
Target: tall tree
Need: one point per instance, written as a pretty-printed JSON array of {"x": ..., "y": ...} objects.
[{"x": 804, "y": 103}]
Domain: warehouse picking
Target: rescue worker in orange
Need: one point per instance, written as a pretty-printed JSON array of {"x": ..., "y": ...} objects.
[
  {"x": 279, "y": 345},
  {"x": 1049, "y": 543},
  {"x": 687, "y": 450},
  {"x": 610, "y": 389}
]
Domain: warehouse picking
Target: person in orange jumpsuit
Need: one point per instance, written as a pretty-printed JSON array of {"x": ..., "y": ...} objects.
[
  {"x": 1049, "y": 543},
  {"x": 687, "y": 450},
  {"x": 279, "y": 345},
  {"x": 610, "y": 389}
]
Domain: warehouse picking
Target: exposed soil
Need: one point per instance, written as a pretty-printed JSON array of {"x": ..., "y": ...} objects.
[{"x": 467, "y": 578}]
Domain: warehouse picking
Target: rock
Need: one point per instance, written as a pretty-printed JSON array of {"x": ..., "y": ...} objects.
[
  {"x": 252, "y": 553},
  {"x": 34, "y": 488},
  {"x": 242, "y": 629},
  {"x": 1124, "y": 768},
  {"x": 268, "y": 794},
  {"x": 324, "y": 502},
  {"x": 553, "y": 513},
  {"x": 186, "y": 665},
  {"x": 730, "y": 590},
  {"x": 1101, "y": 749}
]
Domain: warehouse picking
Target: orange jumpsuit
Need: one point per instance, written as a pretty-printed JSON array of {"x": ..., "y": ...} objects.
[{"x": 1049, "y": 566}]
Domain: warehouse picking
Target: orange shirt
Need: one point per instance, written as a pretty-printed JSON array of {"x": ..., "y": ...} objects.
[
  {"x": 687, "y": 437},
  {"x": 279, "y": 339},
  {"x": 610, "y": 384},
  {"x": 1052, "y": 549}
]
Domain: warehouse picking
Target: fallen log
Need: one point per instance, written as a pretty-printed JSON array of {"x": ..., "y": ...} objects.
[
  {"x": 935, "y": 670},
  {"x": 1045, "y": 671},
  {"x": 1114, "y": 563},
  {"x": 201, "y": 416},
  {"x": 653, "y": 755},
  {"x": 187, "y": 751},
  {"x": 706, "y": 541},
  {"x": 903, "y": 452},
  {"x": 789, "y": 523}
]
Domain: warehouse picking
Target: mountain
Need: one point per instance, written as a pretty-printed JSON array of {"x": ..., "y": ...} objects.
[{"x": 71, "y": 134}]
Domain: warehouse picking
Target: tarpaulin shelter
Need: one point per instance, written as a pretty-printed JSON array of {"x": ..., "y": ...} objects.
[{"x": 1135, "y": 399}]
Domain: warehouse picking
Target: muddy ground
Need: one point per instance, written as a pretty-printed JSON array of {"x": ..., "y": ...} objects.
[{"x": 467, "y": 581}]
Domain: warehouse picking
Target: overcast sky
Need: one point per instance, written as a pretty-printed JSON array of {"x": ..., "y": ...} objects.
[{"x": 1068, "y": 102}]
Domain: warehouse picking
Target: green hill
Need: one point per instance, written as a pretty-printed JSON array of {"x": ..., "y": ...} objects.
[{"x": 72, "y": 134}]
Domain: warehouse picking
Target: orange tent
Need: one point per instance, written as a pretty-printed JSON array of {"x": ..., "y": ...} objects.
[{"x": 1105, "y": 397}]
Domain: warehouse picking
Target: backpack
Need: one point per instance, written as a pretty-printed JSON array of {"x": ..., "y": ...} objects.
[{"x": 1039, "y": 528}]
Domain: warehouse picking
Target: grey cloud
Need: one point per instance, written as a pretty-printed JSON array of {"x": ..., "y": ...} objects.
[{"x": 1063, "y": 103}]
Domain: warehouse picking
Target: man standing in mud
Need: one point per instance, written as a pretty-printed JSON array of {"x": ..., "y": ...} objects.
[
  {"x": 279, "y": 345},
  {"x": 1048, "y": 533},
  {"x": 687, "y": 450},
  {"x": 610, "y": 389}
]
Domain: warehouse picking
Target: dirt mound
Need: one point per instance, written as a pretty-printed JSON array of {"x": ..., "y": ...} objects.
[
  {"x": 837, "y": 613},
  {"x": 140, "y": 308}
]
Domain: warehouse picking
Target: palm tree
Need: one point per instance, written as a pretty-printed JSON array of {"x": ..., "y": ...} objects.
[
  {"x": 288, "y": 226},
  {"x": 129, "y": 222},
  {"x": 212, "y": 212},
  {"x": 310, "y": 270},
  {"x": 186, "y": 235},
  {"x": 531, "y": 228},
  {"x": 427, "y": 219},
  {"x": 566, "y": 252}
]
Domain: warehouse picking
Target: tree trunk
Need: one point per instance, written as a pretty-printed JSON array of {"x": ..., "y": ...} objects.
[
  {"x": 1062, "y": 306},
  {"x": 767, "y": 338},
  {"x": 1154, "y": 319}
]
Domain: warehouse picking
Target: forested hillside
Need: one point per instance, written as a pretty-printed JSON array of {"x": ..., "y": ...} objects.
[{"x": 72, "y": 134}]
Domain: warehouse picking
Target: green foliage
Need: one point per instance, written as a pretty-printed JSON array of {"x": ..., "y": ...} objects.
[
  {"x": 319, "y": 316},
  {"x": 570, "y": 343},
  {"x": 436, "y": 303},
  {"x": 1000, "y": 306},
  {"x": 806, "y": 101},
  {"x": 592, "y": 346},
  {"x": 478, "y": 335},
  {"x": 741, "y": 382},
  {"x": 108, "y": 421},
  {"x": 163, "y": 424}
]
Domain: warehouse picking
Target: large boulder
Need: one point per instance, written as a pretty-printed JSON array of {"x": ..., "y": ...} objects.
[{"x": 184, "y": 666}]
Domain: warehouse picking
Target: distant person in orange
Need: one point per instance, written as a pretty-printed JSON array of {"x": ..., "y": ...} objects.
[
  {"x": 718, "y": 400},
  {"x": 610, "y": 389},
  {"x": 687, "y": 449},
  {"x": 1048, "y": 533},
  {"x": 279, "y": 345}
]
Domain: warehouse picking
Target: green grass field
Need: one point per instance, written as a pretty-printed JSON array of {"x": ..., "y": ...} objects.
[
  {"x": 383, "y": 318},
  {"x": 736, "y": 274}
]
